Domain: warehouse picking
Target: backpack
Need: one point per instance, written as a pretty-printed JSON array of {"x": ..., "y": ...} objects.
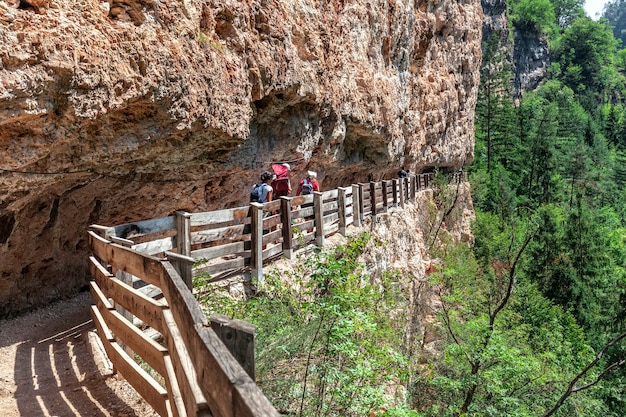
[
  {"x": 281, "y": 187},
  {"x": 257, "y": 192},
  {"x": 307, "y": 187}
]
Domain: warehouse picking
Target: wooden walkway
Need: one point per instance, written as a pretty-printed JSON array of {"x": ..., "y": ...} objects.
[{"x": 192, "y": 372}]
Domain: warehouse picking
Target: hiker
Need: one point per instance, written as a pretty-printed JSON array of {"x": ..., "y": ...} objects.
[
  {"x": 309, "y": 185},
  {"x": 263, "y": 192},
  {"x": 403, "y": 173},
  {"x": 281, "y": 184}
]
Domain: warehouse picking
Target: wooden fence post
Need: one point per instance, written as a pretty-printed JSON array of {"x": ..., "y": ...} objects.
[
  {"x": 413, "y": 187},
  {"x": 256, "y": 238},
  {"x": 285, "y": 214},
  {"x": 361, "y": 203},
  {"x": 183, "y": 265},
  {"x": 373, "y": 200},
  {"x": 341, "y": 209},
  {"x": 183, "y": 244},
  {"x": 385, "y": 199},
  {"x": 318, "y": 209},
  {"x": 238, "y": 336},
  {"x": 401, "y": 188},
  {"x": 183, "y": 232},
  {"x": 394, "y": 183},
  {"x": 356, "y": 205}
]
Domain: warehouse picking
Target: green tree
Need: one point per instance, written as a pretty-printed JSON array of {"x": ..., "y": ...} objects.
[
  {"x": 494, "y": 108},
  {"x": 567, "y": 11},
  {"x": 532, "y": 15},
  {"x": 583, "y": 51},
  {"x": 615, "y": 13}
]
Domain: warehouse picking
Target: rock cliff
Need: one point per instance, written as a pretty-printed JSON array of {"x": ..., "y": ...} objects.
[{"x": 130, "y": 109}]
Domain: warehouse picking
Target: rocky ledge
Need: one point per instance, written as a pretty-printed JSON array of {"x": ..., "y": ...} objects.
[{"x": 130, "y": 109}]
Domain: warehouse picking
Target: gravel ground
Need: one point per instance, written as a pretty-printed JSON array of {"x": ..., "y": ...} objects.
[{"x": 50, "y": 366}]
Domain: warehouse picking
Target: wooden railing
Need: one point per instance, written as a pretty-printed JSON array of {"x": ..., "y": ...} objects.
[{"x": 196, "y": 374}]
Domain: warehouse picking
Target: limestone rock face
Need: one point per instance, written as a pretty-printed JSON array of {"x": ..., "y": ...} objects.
[{"x": 125, "y": 110}]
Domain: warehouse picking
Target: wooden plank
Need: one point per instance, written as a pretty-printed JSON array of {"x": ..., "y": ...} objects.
[
  {"x": 319, "y": 218},
  {"x": 218, "y": 368},
  {"x": 120, "y": 241},
  {"x": 199, "y": 253},
  {"x": 256, "y": 237},
  {"x": 219, "y": 216},
  {"x": 177, "y": 405},
  {"x": 373, "y": 199},
  {"x": 183, "y": 232},
  {"x": 331, "y": 229},
  {"x": 271, "y": 221},
  {"x": 104, "y": 333},
  {"x": 302, "y": 213},
  {"x": 302, "y": 199},
  {"x": 144, "y": 227},
  {"x": 341, "y": 210},
  {"x": 308, "y": 224},
  {"x": 287, "y": 220},
  {"x": 271, "y": 206},
  {"x": 144, "y": 346},
  {"x": 331, "y": 218},
  {"x": 238, "y": 336},
  {"x": 102, "y": 231},
  {"x": 143, "y": 383},
  {"x": 126, "y": 331},
  {"x": 99, "y": 297},
  {"x": 327, "y": 195},
  {"x": 356, "y": 193},
  {"x": 272, "y": 251},
  {"x": 155, "y": 246},
  {"x": 303, "y": 240},
  {"x": 394, "y": 189},
  {"x": 222, "y": 233},
  {"x": 146, "y": 267},
  {"x": 224, "y": 266},
  {"x": 274, "y": 236},
  {"x": 184, "y": 266},
  {"x": 330, "y": 206},
  {"x": 184, "y": 370},
  {"x": 145, "y": 308},
  {"x": 219, "y": 251},
  {"x": 249, "y": 401}
]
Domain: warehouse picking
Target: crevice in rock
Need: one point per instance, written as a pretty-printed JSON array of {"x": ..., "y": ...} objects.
[
  {"x": 54, "y": 214},
  {"x": 7, "y": 222}
]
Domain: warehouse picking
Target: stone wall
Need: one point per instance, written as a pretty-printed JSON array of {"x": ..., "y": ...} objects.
[{"x": 119, "y": 111}]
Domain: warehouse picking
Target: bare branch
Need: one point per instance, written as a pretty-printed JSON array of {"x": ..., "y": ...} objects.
[{"x": 570, "y": 387}]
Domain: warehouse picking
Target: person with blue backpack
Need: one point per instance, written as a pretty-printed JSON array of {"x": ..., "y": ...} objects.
[
  {"x": 309, "y": 185},
  {"x": 263, "y": 192}
]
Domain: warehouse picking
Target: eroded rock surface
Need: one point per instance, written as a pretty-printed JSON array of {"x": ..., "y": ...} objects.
[{"x": 131, "y": 109}]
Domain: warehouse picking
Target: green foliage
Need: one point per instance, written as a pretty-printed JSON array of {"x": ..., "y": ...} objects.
[
  {"x": 532, "y": 15},
  {"x": 517, "y": 366},
  {"x": 615, "y": 13},
  {"x": 567, "y": 11},
  {"x": 330, "y": 341},
  {"x": 584, "y": 50}
]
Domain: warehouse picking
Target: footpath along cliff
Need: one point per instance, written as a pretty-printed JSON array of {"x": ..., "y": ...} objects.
[{"x": 119, "y": 111}]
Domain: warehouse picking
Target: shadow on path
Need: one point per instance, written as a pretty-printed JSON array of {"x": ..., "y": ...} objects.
[{"x": 54, "y": 370}]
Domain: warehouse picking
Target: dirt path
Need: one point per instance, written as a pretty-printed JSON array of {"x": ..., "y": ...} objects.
[{"x": 47, "y": 367}]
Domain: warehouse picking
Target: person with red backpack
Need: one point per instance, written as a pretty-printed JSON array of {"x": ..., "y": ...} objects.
[{"x": 281, "y": 184}]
